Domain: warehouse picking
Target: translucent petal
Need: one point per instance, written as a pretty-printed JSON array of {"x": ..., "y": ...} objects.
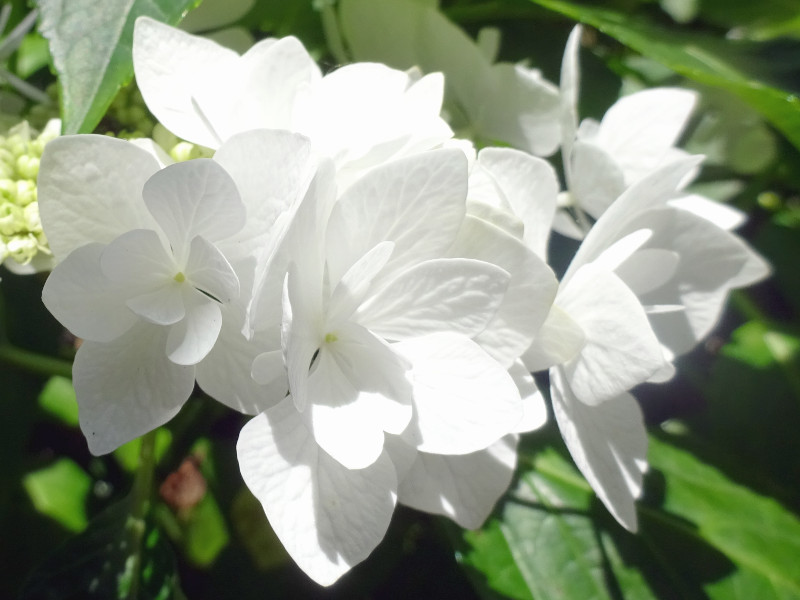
[
  {"x": 127, "y": 387},
  {"x": 137, "y": 259},
  {"x": 168, "y": 62},
  {"x": 208, "y": 270},
  {"x": 329, "y": 518},
  {"x": 417, "y": 203},
  {"x": 464, "y": 401},
  {"x": 192, "y": 338},
  {"x": 357, "y": 390},
  {"x": 90, "y": 190},
  {"x": 85, "y": 301},
  {"x": 464, "y": 488},
  {"x": 608, "y": 442},
  {"x": 448, "y": 294},
  {"x": 530, "y": 292},
  {"x": 620, "y": 349},
  {"x": 192, "y": 198}
]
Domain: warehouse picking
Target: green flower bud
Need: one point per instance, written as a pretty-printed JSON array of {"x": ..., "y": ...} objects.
[
  {"x": 26, "y": 192},
  {"x": 12, "y": 219},
  {"x": 28, "y": 166},
  {"x": 22, "y": 248}
]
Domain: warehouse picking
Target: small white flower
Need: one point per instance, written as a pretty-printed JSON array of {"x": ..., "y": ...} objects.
[
  {"x": 359, "y": 115},
  {"x": 156, "y": 268},
  {"x": 505, "y": 102},
  {"x": 636, "y": 136},
  {"x": 393, "y": 321}
]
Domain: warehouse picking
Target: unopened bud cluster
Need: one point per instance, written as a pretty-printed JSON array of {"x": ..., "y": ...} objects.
[{"x": 21, "y": 236}]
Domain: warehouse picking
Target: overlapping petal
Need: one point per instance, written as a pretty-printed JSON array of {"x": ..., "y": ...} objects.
[
  {"x": 464, "y": 401},
  {"x": 608, "y": 442},
  {"x": 127, "y": 387},
  {"x": 328, "y": 517},
  {"x": 464, "y": 488},
  {"x": 90, "y": 190}
]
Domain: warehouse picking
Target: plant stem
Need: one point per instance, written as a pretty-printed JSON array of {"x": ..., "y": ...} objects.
[
  {"x": 330, "y": 27},
  {"x": 140, "y": 507},
  {"x": 34, "y": 362}
]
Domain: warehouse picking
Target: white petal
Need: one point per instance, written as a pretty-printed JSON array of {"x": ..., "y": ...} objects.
[
  {"x": 528, "y": 298},
  {"x": 712, "y": 261},
  {"x": 464, "y": 400},
  {"x": 621, "y": 349},
  {"x": 622, "y": 249},
  {"x": 464, "y": 488},
  {"x": 534, "y": 410},
  {"x": 163, "y": 306},
  {"x": 722, "y": 215},
  {"x": 357, "y": 390},
  {"x": 559, "y": 340},
  {"x": 530, "y": 187},
  {"x": 127, "y": 387},
  {"x": 137, "y": 259},
  {"x": 328, "y": 518},
  {"x": 523, "y": 111},
  {"x": 354, "y": 285},
  {"x": 648, "y": 269},
  {"x": 272, "y": 170},
  {"x": 191, "y": 339},
  {"x": 208, "y": 270},
  {"x": 417, "y": 203},
  {"x": 83, "y": 300},
  {"x": 389, "y": 116},
  {"x": 639, "y": 129},
  {"x": 90, "y": 190},
  {"x": 608, "y": 442},
  {"x": 192, "y": 198},
  {"x": 569, "y": 85},
  {"x": 260, "y": 90},
  {"x": 168, "y": 64},
  {"x": 224, "y": 374},
  {"x": 266, "y": 364},
  {"x": 652, "y": 191},
  {"x": 596, "y": 180},
  {"x": 447, "y": 294}
]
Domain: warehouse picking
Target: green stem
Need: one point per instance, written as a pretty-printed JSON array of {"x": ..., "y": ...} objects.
[
  {"x": 330, "y": 27},
  {"x": 140, "y": 507},
  {"x": 34, "y": 362}
]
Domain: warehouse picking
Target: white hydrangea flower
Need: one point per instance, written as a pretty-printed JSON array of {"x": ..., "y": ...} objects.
[
  {"x": 399, "y": 329},
  {"x": 156, "y": 268},
  {"x": 359, "y": 115},
  {"x": 505, "y": 102},
  {"x": 649, "y": 281},
  {"x": 636, "y": 136}
]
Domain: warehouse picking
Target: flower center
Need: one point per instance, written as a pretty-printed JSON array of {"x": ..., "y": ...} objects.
[
  {"x": 330, "y": 337},
  {"x": 180, "y": 277}
]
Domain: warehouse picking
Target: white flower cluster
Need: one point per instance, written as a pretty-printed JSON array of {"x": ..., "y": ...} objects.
[{"x": 371, "y": 289}]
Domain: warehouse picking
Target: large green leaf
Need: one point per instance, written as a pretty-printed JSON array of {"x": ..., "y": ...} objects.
[
  {"x": 721, "y": 63},
  {"x": 90, "y": 43},
  {"x": 701, "y": 535}
]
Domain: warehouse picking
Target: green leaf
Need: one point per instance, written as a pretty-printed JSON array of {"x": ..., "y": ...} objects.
[
  {"x": 99, "y": 563},
  {"x": 90, "y": 43},
  {"x": 720, "y": 63},
  {"x": 58, "y": 399},
  {"x": 755, "y": 532},
  {"x": 60, "y": 491},
  {"x": 701, "y": 535}
]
